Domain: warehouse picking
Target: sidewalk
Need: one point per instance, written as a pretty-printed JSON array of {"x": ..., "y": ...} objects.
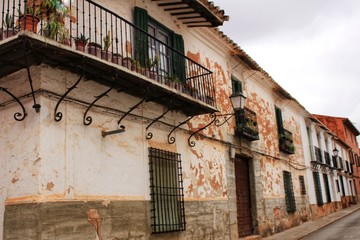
[{"x": 311, "y": 226}]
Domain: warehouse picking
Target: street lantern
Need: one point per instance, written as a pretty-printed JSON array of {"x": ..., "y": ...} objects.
[
  {"x": 237, "y": 101},
  {"x": 336, "y": 152}
]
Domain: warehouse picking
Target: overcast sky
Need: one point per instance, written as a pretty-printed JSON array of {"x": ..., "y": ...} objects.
[{"x": 310, "y": 47}]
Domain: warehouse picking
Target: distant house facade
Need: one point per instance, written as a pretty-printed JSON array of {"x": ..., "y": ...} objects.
[{"x": 347, "y": 133}]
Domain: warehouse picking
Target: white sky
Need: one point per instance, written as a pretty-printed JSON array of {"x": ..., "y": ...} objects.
[{"x": 310, "y": 47}]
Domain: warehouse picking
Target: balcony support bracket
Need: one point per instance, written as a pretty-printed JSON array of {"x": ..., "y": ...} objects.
[
  {"x": 147, "y": 91},
  {"x": 87, "y": 120},
  {"x": 36, "y": 106},
  {"x": 18, "y": 116},
  {"x": 149, "y": 135},
  {"x": 171, "y": 139},
  {"x": 58, "y": 115},
  {"x": 213, "y": 117}
]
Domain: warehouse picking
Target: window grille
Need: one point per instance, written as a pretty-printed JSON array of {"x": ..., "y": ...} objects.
[
  {"x": 342, "y": 186},
  {"x": 166, "y": 190},
  {"x": 327, "y": 187},
  {"x": 335, "y": 163},
  {"x": 317, "y": 184},
  {"x": 302, "y": 185},
  {"x": 327, "y": 158},
  {"x": 341, "y": 163},
  {"x": 337, "y": 185},
  {"x": 289, "y": 192},
  {"x": 318, "y": 155}
]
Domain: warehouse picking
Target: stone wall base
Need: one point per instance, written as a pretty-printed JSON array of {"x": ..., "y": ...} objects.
[{"x": 112, "y": 220}]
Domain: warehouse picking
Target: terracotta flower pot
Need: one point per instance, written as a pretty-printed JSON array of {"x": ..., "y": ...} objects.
[
  {"x": 94, "y": 49},
  {"x": 29, "y": 23}
]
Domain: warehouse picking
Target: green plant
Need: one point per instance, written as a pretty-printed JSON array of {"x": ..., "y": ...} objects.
[
  {"x": 152, "y": 63},
  {"x": 8, "y": 21},
  {"x": 107, "y": 41},
  {"x": 82, "y": 39}
]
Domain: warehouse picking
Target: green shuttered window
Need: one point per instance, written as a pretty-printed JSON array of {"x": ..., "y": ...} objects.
[{"x": 317, "y": 184}]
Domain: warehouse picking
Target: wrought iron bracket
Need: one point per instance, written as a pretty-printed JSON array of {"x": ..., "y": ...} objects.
[
  {"x": 58, "y": 115},
  {"x": 147, "y": 90},
  {"x": 171, "y": 139},
  {"x": 150, "y": 134},
  {"x": 226, "y": 117},
  {"x": 120, "y": 130},
  {"x": 18, "y": 116},
  {"x": 36, "y": 106},
  {"x": 87, "y": 120},
  {"x": 192, "y": 143}
]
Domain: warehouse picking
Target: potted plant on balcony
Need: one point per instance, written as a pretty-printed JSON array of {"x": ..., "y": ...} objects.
[
  {"x": 151, "y": 70},
  {"x": 94, "y": 49},
  {"x": 30, "y": 19},
  {"x": 116, "y": 58},
  {"x": 105, "y": 54},
  {"x": 127, "y": 62},
  {"x": 81, "y": 42},
  {"x": 8, "y": 29}
]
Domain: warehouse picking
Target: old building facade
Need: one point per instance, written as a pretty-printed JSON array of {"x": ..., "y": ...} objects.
[
  {"x": 117, "y": 123},
  {"x": 347, "y": 133}
]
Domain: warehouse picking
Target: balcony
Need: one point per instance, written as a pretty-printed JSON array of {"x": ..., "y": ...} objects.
[
  {"x": 286, "y": 143},
  {"x": 327, "y": 158},
  {"x": 82, "y": 35},
  {"x": 246, "y": 125}
]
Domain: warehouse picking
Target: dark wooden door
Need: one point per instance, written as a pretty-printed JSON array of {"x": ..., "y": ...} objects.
[{"x": 243, "y": 197}]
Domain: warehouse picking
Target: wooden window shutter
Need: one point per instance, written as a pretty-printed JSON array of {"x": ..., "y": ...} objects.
[
  {"x": 279, "y": 120},
  {"x": 141, "y": 39},
  {"x": 178, "y": 60}
]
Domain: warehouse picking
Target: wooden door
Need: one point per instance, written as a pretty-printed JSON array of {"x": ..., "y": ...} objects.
[{"x": 243, "y": 197}]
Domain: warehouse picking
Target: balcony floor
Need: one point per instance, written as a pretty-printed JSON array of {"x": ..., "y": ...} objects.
[{"x": 42, "y": 50}]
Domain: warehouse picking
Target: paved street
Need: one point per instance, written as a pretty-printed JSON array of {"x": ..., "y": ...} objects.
[
  {"x": 309, "y": 228},
  {"x": 345, "y": 228}
]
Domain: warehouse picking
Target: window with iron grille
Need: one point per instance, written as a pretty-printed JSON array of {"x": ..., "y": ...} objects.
[
  {"x": 319, "y": 199},
  {"x": 327, "y": 158},
  {"x": 166, "y": 190},
  {"x": 302, "y": 185},
  {"x": 289, "y": 192},
  {"x": 342, "y": 186},
  {"x": 337, "y": 185},
  {"x": 318, "y": 155},
  {"x": 341, "y": 163},
  {"x": 334, "y": 159},
  {"x": 327, "y": 188}
]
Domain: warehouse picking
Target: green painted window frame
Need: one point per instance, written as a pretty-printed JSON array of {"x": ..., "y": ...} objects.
[
  {"x": 302, "y": 185},
  {"x": 318, "y": 191}
]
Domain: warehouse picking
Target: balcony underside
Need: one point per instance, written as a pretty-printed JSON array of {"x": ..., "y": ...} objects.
[{"x": 40, "y": 50}]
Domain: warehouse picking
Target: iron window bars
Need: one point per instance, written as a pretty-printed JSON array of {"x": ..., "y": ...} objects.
[
  {"x": 302, "y": 185},
  {"x": 166, "y": 191},
  {"x": 319, "y": 199},
  {"x": 289, "y": 192}
]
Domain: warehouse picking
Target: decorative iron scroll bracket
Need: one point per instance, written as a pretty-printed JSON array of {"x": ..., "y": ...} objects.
[
  {"x": 192, "y": 143},
  {"x": 120, "y": 130},
  {"x": 36, "y": 106},
  {"x": 135, "y": 106},
  {"x": 87, "y": 120},
  {"x": 18, "y": 116},
  {"x": 171, "y": 139},
  {"x": 217, "y": 122},
  {"x": 58, "y": 115},
  {"x": 150, "y": 134}
]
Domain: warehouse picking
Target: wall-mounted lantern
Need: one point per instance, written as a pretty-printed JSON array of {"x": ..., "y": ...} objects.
[
  {"x": 336, "y": 152},
  {"x": 237, "y": 101}
]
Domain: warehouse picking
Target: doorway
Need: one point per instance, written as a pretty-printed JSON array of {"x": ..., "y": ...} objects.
[{"x": 243, "y": 201}]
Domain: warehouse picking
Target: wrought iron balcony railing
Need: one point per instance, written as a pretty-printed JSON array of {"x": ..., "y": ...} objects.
[
  {"x": 89, "y": 27},
  {"x": 286, "y": 142},
  {"x": 327, "y": 158},
  {"x": 317, "y": 155},
  {"x": 246, "y": 124}
]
